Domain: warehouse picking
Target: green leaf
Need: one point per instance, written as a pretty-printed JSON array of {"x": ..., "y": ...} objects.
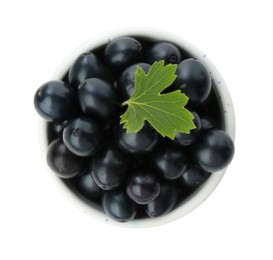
[{"x": 165, "y": 112}]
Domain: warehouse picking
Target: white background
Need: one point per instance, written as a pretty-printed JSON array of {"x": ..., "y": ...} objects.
[{"x": 38, "y": 222}]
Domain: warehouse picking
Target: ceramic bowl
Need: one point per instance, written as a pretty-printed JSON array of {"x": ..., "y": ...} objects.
[{"x": 228, "y": 124}]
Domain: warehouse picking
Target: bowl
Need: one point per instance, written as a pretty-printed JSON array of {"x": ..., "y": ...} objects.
[{"x": 228, "y": 124}]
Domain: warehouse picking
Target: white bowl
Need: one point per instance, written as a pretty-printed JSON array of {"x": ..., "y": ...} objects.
[{"x": 225, "y": 102}]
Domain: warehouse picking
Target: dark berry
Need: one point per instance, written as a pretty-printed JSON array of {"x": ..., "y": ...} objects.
[
  {"x": 193, "y": 177},
  {"x": 163, "y": 51},
  {"x": 83, "y": 136},
  {"x": 118, "y": 206},
  {"x": 55, "y": 100},
  {"x": 122, "y": 52},
  {"x": 213, "y": 150},
  {"x": 169, "y": 161},
  {"x": 110, "y": 168},
  {"x": 86, "y": 186},
  {"x": 63, "y": 162},
  {"x": 142, "y": 186},
  {"x": 87, "y": 65},
  {"x": 138, "y": 143},
  {"x": 194, "y": 80},
  {"x": 164, "y": 202},
  {"x": 98, "y": 98}
]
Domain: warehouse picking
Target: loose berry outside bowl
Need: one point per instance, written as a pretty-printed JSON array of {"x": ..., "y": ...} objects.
[{"x": 227, "y": 124}]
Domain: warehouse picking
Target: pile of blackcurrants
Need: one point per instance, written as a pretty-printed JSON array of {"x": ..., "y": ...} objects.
[{"x": 138, "y": 174}]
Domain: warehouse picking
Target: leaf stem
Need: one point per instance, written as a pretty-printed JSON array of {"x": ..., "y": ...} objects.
[{"x": 125, "y": 103}]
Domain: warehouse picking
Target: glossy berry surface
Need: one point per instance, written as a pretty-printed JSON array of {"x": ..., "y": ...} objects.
[
  {"x": 117, "y": 205},
  {"x": 63, "y": 162},
  {"x": 193, "y": 177},
  {"x": 86, "y": 186},
  {"x": 210, "y": 111},
  {"x": 194, "y": 80},
  {"x": 164, "y": 202},
  {"x": 169, "y": 161},
  {"x": 98, "y": 98},
  {"x": 210, "y": 121},
  {"x": 138, "y": 143},
  {"x": 58, "y": 127},
  {"x": 126, "y": 85},
  {"x": 110, "y": 168},
  {"x": 142, "y": 186},
  {"x": 163, "y": 51},
  {"x": 83, "y": 136},
  {"x": 55, "y": 100},
  {"x": 213, "y": 150},
  {"x": 87, "y": 65},
  {"x": 187, "y": 139},
  {"x": 122, "y": 52}
]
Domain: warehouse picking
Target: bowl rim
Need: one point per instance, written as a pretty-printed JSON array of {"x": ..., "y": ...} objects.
[{"x": 222, "y": 93}]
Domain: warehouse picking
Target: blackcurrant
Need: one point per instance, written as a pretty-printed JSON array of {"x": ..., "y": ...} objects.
[
  {"x": 86, "y": 186},
  {"x": 98, "y": 98},
  {"x": 122, "y": 52},
  {"x": 163, "y": 51},
  {"x": 110, "y": 168},
  {"x": 209, "y": 121},
  {"x": 138, "y": 143},
  {"x": 83, "y": 136},
  {"x": 213, "y": 150},
  {"x": 142, "y": 186},
  {"x": 193, "y": 79},
  {"x": 63, "y": 162},
  {"x": 58, "y": 127},
  {"x": 117, "y": 205},
  {"x": 55, "y": 100},
  {"x": 169, "y": 161},
  {"x": 87, "y": 65},
  {"x": 164, "y": 202},
  {"x": 193, "y": 177}
]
